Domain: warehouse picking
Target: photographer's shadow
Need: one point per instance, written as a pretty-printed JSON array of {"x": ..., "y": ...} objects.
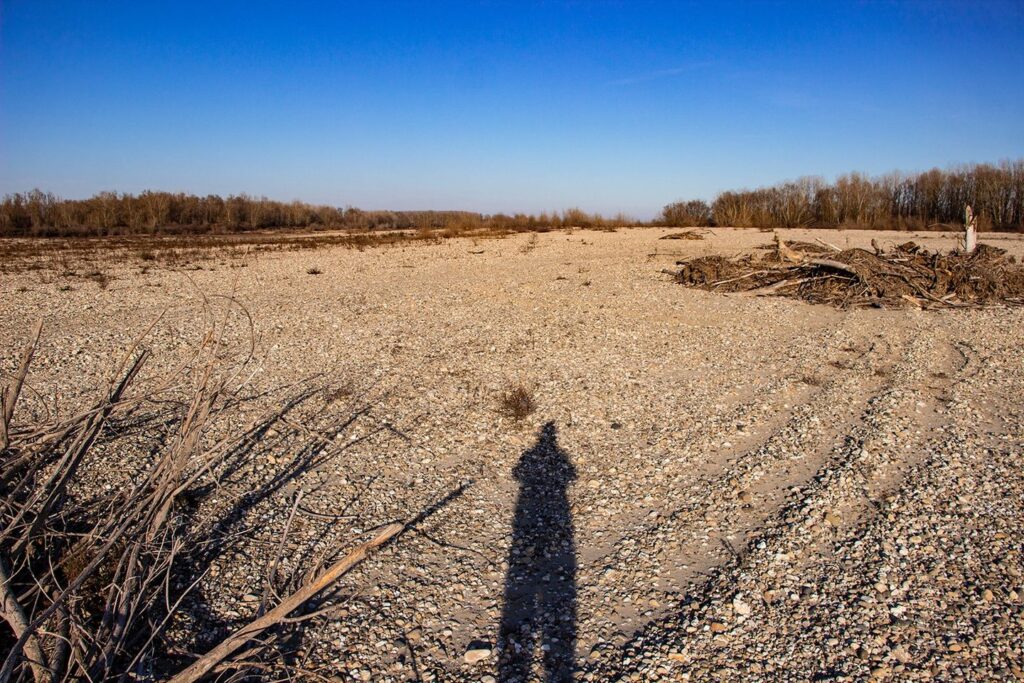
[{"x": 540, "y": 586}]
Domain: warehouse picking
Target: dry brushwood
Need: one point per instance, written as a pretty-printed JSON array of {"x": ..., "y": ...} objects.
[
  {"x": 91, "y": 582},
  {"x": 908, "y": 275},
  {"x": 684, "y": 235},
  {"x": 82, "y": 575},
  {"x": 517, "y": 402}
]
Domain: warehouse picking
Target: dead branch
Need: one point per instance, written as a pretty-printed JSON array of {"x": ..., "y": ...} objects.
[
  {"x": 740, "y": 277},
  {"x": 14, "y": 614},
  {"x": 10, "y": 396},
  {"x": 785, "y": 253},
  {"x": 207, "y": 662},
  {"x": 834, "y": 265},
  {"x": 772, "y": 289}
]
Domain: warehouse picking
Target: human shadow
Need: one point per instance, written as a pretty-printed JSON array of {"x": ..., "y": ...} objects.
[{"x": 540, "y": 586}]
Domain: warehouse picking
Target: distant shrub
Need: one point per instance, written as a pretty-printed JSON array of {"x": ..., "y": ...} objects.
[{"x": 694, "y": 213}]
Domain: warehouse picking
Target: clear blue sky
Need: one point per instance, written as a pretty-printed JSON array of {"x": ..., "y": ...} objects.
[{"x": 497, "y": 106}]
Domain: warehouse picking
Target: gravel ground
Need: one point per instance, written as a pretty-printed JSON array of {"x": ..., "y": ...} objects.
[{"x": 711, "y": 487}]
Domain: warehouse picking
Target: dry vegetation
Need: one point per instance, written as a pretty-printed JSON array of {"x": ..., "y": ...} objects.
[
  {"x": 906, "y": 275},
  {"x": 926, "y": 201},
  {"x": 517, "y": 402},
  {"x": 84, "y": 258},
  {"x": 93, "y": 580},
  {"x": 685, "y": 235},
  {"x": 41, "y": 214}
]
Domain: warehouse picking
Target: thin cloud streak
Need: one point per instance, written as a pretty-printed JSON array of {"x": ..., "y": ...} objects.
[{"x": 662, "y": 73}]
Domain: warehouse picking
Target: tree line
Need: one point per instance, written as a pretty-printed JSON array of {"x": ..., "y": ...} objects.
[
  {"x": 42, "y": 214},
  {"x": 932, "y": 200}
]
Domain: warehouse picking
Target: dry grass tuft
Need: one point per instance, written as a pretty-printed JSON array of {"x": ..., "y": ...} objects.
[
  {"x": 530, "y": 244},
  {"x": 517, "y": 402}
]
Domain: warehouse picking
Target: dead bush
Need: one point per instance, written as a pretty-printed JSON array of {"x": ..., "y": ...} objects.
[
  {"x": 95, "y": 577},
  {"x": 517, "y": 402}
]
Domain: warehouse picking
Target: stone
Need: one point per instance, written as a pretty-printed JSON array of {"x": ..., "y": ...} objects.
[{"x": 477, "y": 652}]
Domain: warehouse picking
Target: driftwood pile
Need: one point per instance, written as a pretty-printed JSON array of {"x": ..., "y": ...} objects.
[{"x": 905, "y": 276}]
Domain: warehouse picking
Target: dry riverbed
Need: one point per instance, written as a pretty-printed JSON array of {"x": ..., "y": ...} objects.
[{"x": 710, "y": 487}]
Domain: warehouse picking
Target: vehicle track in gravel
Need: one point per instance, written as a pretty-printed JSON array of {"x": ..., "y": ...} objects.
[{"x": 844, "y": 504}]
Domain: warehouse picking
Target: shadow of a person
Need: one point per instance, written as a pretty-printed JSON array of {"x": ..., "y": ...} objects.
[{"x": 540, "y": 586}]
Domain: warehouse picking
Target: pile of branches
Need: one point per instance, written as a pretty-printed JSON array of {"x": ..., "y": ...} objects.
[
  {"x": 92, "y": 578},
  {"x": 904, "y": 276}
]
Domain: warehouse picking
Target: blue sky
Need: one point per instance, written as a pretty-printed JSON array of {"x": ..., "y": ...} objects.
[{"x": 493, "y": 106}]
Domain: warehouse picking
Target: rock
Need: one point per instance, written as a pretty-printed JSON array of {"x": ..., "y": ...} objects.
[{"x": 477, "y": 652}]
